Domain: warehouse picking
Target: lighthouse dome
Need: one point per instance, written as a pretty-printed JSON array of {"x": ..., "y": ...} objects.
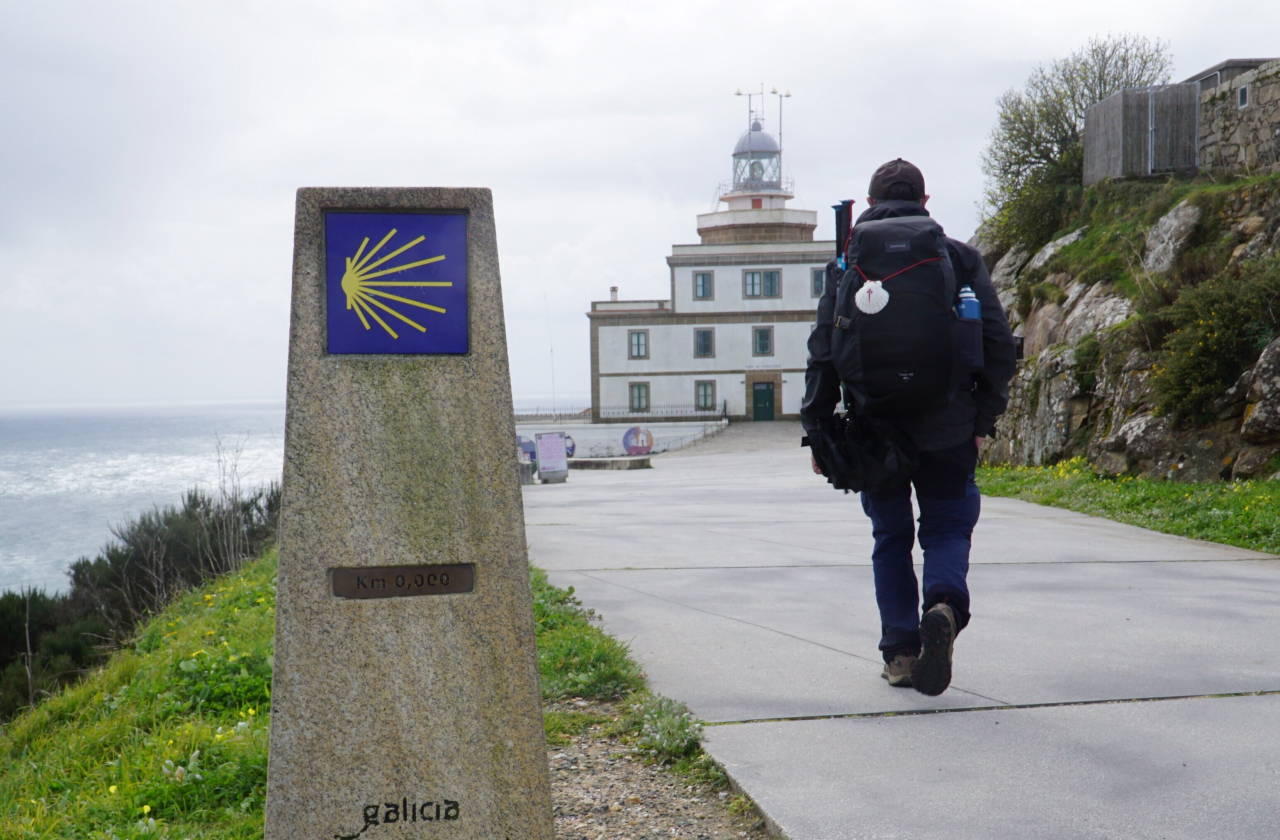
[
  {"x": 756, "y": 141},
  {"x": 757, "y": 161}
]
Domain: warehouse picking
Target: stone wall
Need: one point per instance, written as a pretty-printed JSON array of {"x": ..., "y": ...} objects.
[{"x": 1242, "y": 140}]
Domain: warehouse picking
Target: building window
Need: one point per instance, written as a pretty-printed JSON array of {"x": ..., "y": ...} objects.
[
  {"x": 762, "y": 341},
  {"x": 761, "y": 284},
  {"x": 818, "y": 281},
  {"x": 703, "y": 285},
  {"x": 704, "y": 395},
  {"x": 638, "y": 344},
  {"x": 639, "y": 396},
  {"x": 704, "y": 343},
  {"x": 772, "y": 283},
  {"x": 1242, "y": 97}
]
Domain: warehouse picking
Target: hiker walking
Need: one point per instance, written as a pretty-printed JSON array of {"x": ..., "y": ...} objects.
[{"x": 911, "y": 335}]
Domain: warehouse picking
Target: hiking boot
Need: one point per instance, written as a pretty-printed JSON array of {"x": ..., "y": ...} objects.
[
  {"x": 931, "y": 673},
  {"x": 898, "y": 670}
]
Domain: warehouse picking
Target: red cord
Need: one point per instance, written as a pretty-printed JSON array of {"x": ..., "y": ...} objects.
[{"x": 896, "y": 273}]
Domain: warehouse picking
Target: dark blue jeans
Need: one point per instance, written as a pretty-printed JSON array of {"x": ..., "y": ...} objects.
[{"x": 949, "y": 506}]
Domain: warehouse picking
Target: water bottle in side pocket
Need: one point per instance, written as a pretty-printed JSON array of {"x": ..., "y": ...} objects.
[{"x": 966, "y": 332}]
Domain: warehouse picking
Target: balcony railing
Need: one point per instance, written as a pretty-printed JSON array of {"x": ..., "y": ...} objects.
[
  {"x": 556, "y": 414},
  {"x": 670, "y": 411},
  {"x": 620, "y": 413}
]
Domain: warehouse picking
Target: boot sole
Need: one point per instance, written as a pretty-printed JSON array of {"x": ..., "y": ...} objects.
[{"x": 931, "y": 673}]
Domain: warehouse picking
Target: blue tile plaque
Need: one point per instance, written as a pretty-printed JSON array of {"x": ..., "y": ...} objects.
[{"x": 396, "y": 282}]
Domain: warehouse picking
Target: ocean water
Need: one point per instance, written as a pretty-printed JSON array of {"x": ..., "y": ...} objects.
[{"x": 68, "y": 475}]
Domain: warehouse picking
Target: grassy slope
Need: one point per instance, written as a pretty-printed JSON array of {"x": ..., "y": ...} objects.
[
  {"x": 1241, "y": 513},
  {"x": 1119, "y": 213},
  {"x": 92, "y": 760}
]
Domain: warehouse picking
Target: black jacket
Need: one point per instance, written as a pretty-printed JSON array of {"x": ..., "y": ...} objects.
[{"x": 976, "y": 406}]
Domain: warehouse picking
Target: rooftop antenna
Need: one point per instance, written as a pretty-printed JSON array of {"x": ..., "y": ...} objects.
[
  {"x": 781, "y": 96},
  {"x": 751, "y": 116}
]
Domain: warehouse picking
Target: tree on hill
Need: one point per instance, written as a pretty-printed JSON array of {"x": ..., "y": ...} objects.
[{"x": 1034, "y": 159}]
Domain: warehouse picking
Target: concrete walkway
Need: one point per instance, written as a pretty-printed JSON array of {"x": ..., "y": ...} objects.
[{"x": 1107, "y": 686}]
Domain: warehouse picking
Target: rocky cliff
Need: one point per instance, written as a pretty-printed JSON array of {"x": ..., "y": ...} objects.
[{"x": 1104, "y": 312}]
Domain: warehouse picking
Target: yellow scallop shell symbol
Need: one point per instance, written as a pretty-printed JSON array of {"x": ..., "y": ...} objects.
[{"x": 364, "y": 292}]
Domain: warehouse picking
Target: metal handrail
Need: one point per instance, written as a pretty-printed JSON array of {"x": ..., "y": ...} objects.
[{"x": 664, "y": 411}]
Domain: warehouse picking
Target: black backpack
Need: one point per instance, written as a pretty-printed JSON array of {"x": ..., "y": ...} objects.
[{"x": 898, "y": 360}]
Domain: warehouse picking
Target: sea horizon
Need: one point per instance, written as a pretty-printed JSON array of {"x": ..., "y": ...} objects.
[{"x": 70, "y": 473}]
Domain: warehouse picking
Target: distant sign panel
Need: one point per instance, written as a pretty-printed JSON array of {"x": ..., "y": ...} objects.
[
  {"x": 396, "y": 283},
  {"x": 552, "y": 455}
]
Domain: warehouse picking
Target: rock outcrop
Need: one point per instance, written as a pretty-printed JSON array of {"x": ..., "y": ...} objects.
[
  {"x": 1167, "y": 237},
  {"x": 1046, "y": 407},
  {"x": 1005, "y": 278},
  {"x": 1262, "y": 405},
  {"x": 1086, "y": 386},
  {"x": 1085, "y": 309},
  {"x": 1046, "y": 253}
]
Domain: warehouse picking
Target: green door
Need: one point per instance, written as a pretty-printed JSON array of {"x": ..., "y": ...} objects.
[{"x": 762, "y": 401}]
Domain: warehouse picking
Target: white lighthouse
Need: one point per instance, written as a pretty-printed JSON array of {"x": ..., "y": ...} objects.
[{"x": 732, "y": 336}]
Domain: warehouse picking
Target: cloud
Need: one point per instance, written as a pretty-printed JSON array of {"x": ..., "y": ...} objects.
[{"x": 150, "y": 151}]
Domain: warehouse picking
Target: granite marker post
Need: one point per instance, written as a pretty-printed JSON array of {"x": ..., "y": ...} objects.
[{"x": 405, "y": 701}]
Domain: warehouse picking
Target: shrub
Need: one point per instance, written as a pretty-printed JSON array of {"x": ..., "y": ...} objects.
[
  {"x": 1034, "y": 159},
  {"x": 1218, "y": 329},
  {"x": 168, "y": 551},
  {"x": 154, "y": 558},
  {"x": 1041, "y": 206}
]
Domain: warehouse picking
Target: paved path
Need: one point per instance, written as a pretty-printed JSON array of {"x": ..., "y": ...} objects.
[{"x": 1099, "y": 692}]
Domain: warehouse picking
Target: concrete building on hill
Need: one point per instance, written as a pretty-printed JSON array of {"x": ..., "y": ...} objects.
[
  {"x": 1224, "y": 119},
  {"x": 731, "y": 339}
]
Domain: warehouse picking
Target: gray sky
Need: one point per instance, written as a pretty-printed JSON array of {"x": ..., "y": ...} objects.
[{"x": 149, "y": 152}]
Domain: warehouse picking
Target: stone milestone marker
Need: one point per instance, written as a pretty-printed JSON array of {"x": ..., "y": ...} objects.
[{"x": 405, "y": 702}]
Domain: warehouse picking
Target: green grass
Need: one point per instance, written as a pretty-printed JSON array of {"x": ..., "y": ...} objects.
[
  {"x": 1239, "y": 513},
  {"x": 1118, "y": 215},
  {"x": 575, "y": 657},
  {"x": 561, "y": 727},
  {"x": 169, "y": 738}
]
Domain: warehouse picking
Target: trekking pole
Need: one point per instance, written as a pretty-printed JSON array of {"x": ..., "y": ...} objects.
[{"x": 844, "y": 222}]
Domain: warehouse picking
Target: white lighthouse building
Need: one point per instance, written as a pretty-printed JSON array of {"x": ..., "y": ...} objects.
[{"x": 732, "y": 337}]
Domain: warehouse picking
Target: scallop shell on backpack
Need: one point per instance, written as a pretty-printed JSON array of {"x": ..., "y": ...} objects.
[{"x": 872, "y": 297}]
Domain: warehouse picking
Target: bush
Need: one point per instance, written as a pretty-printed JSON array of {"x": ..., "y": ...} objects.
[
  {"x": 170, "y": 550},
  {"x": 1034, "y": 159},
  {"x": 1040, "y": 207},
  {"x": 153, "y": 559},
  {"x": 1218, "y": 329}
]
